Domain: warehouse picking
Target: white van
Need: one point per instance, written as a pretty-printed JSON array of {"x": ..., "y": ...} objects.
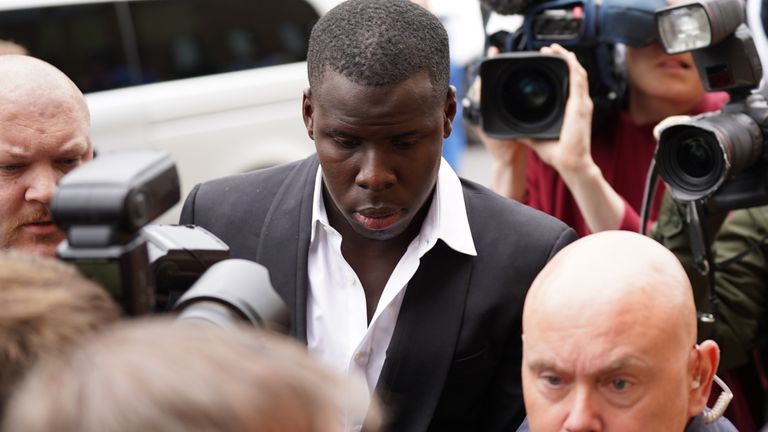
[{"x": 217, "y": 83}]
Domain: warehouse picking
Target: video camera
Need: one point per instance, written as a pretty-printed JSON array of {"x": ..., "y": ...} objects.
[
  {"x": 105, "y": 206},
  {"x": 524, "y": 93},
  {"x": 717, "y": 159}
]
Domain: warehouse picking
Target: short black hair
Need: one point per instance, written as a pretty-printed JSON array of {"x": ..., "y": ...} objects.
[{"x": 379, "y": 42}]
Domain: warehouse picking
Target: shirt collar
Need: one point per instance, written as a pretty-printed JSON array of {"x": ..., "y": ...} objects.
[{"x": 446, "y": 220}]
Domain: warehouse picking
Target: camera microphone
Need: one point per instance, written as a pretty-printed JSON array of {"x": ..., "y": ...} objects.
[{"x": 234, "y": 290}]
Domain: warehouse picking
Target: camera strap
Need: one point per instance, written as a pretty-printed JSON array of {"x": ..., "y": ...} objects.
[{"x": 702, "y": 256}]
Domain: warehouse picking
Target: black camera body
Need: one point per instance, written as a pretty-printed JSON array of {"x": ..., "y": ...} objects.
[
  {"x": 720, "y": 159},
  {"x": 539, "y": 83}
]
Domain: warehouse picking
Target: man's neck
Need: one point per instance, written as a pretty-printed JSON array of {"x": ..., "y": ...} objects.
[{"x": 373, "y": 260}]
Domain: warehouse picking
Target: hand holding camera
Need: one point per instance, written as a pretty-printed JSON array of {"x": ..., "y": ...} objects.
[{"x": 570, "y": 153}]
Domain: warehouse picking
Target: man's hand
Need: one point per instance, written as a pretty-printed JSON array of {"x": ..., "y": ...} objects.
[
  {"x": 571, "y": 154},
  {"x": 509, "y": 156}
]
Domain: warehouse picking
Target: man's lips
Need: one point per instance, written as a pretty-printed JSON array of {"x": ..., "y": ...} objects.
[
  {"x": 674, "y": 64},
  {"x": 41, "y": 227},
  {"x": 378, "y": 218}
]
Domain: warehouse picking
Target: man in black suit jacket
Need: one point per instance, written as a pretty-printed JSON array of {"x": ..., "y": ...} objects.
[{"x": 439, "y": 267}]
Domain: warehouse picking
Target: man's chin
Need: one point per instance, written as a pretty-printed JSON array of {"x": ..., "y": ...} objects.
[
  {"x": 380, "y": 234},
  {"x": 39, "y": 245}
]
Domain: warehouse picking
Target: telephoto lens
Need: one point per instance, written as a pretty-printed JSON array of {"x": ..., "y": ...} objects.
[{"x": 696, "y": 157}]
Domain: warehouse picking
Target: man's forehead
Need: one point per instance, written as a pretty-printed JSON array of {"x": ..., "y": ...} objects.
[{"x": 29, "y": 150}]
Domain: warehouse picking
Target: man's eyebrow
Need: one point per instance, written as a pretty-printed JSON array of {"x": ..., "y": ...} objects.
[
  {"x": 338, "y": 132},
  {"x": 409, "y": 134},
  {"x": 542, "y": 365},
  {"x": 71, "y": 148},
  {"x": 616, "y": 365},
  {"x": 624, "y": 363}
]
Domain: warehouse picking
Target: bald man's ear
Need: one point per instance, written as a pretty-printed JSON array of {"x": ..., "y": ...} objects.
[{"x": 702, "y": 363}]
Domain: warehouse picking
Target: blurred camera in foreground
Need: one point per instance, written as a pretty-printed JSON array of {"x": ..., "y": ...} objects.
[
  {"x": 719, "y": 157},
  {"x": 104, "y": 208}
]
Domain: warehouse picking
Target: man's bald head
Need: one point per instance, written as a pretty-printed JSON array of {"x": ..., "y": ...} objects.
[
  {"x": 615, "y": 273},
  {"x": 44, "y": 133},
  {"x": 26, "y": 79},
  {"x": 609, "y": 333}
]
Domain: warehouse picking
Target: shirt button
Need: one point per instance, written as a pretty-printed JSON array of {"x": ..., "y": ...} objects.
[{"x": 361, "y": 358}]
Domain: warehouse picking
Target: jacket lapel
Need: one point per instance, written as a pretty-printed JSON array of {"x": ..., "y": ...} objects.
[
  {"x": 425, "y": 337},
  {"x": 283, "y": 248}
]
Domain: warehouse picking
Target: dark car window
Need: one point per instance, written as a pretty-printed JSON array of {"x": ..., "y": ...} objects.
[
  {"x": 81, "y": 40},
  {"x": 110, "y": 45},
  {"x": 183, "y": 38}
]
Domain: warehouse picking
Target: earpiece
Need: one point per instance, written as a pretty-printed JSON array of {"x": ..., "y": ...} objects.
[
  {"x": 712, "y": 414},
  {"x": 696, "y": 383}
]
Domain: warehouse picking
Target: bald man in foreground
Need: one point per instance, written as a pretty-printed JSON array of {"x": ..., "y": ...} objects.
[
  {"x": 44, "y": 134},
  {"x": 609, "y": 342}
]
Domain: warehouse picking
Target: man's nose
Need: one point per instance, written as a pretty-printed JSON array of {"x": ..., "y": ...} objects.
[
  {"x": 41, "y": 183},
  {"x": 375, "y": 172},
  {"x": 583, "y": 415}
]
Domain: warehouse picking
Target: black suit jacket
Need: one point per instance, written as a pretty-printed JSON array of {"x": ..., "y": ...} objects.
[{"x": 454, "y": 359}]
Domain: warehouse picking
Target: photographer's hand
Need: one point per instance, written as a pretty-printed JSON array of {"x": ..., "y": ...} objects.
[
  {"x": 509, "y": 156},
  {"x": 602, "y": 207}
]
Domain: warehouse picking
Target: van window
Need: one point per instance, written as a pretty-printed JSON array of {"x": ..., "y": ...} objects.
[
  {"x": 184, "y": 38},
  {"x": 103, "y": 46},
  {"x": 81, "y": 40}
]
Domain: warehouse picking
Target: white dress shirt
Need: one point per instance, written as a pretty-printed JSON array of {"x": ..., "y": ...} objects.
[{"x": 338, "y": 332}]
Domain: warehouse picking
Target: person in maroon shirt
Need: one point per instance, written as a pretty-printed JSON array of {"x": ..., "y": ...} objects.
[{"x": 594, "y": 180}]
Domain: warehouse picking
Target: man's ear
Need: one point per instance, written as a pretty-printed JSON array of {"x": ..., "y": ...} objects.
[
  {"x": 702, "y": 363},
  {"x": 449, "y": 111},
  {"x": 307, "y": 111}
]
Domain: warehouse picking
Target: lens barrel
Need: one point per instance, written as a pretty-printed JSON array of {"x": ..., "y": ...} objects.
[
  {"x": 523, "y": 94},
  {"x": 695, "y": 158}
]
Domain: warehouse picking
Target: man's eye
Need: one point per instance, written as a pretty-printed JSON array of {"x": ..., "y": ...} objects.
[
  {"x": 345, "y": 142},
  {"x": 11, "y": 168},
  {"x": 404, "y": 144},
  {"x": 619, "y": 384},
  {"x": 552, "y": 380}
]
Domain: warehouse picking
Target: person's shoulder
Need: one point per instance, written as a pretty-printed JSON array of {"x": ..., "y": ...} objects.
[
  {"x": 263, "y": 177},
  {"x": 722, "y": 424},
  {"x": 504, "y": 216}
]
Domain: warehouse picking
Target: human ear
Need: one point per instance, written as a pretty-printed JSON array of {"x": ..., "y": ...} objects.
[
  {"x": 307, "y": 111},
  {"x": 449, "y": 111},
  {"x": 702, "y": 363}
]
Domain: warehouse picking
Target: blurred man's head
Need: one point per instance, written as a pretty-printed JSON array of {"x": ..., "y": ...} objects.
[
  {"x": 378, "y": 108},
  {"x": 46, "y": 307},
  {"x": 9, "y": 47},
  {"x": 609, "y": 340},
  {"x": 44, "y": 134},
  {"x": 162, "y": 376}
]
